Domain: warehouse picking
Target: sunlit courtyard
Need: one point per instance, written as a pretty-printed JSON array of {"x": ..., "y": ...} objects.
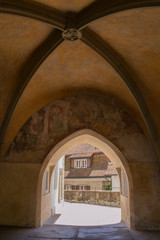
[
  {"x": 80, "y": 221},
  {"x": 78, "y": 214}
]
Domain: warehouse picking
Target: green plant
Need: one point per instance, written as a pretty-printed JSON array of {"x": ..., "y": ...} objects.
[{"x": 109, "y": 187}]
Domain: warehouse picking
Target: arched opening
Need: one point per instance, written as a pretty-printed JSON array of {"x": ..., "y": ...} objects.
[
  {"x": 90, "y": 194},
  {"x": 114, "y": 154}
]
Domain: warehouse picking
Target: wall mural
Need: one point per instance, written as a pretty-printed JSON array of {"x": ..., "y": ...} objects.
[{"x": 62, "y": 117}]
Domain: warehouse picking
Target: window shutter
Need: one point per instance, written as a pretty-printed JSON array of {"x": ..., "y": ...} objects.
[
  {"x": 87, "y": 187},
  {"x": 72, "y": 163},
  {"x": 88, "y": 163}
]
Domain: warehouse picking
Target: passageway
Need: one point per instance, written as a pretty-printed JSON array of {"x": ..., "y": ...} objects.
[{"x": 74, "y": 72}]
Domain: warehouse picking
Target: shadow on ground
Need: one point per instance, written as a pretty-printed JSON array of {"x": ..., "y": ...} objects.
[{"x": 52, "y": 232}]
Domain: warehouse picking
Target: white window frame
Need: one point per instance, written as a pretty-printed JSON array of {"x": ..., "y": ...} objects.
[
  {"x": 83, "y": 187},
  {"x": 84, "y": 163},
  {"x": 80, "y": 163},
  {"x": 77, "y": 164},
  {"x": 68, "y": 187}
]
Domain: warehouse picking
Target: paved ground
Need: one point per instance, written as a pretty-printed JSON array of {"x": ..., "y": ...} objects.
[
  {"x": 51, "y": 231},
  {"x": 88, "y": 215}
]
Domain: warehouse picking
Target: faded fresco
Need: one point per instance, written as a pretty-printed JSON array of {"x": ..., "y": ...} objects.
[{"x": 60, "y": 118}]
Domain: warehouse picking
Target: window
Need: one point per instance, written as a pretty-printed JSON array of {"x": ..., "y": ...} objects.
[
  {"x": 124, "y": 183},
  {"x": 46, "y": 183},
  {"x": 68, "y": 187},
  {"x": 56, "y": 177},
  {"x": 84, "y": 163},
  {"x": 85, "y": 188},
  {"x": 75, "y": 187},
  {"x": 60, "y": 192},
  {"x": 80, "y": 163}
]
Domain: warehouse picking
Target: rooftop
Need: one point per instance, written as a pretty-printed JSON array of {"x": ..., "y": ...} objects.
[
  {"x": 90, "y": 173},
  {"x": 82, "y": 150}
]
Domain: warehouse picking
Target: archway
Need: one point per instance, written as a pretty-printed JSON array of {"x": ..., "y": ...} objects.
[
  {"x": 105, "y": 146},
  {"x": 61, "y": 125}
]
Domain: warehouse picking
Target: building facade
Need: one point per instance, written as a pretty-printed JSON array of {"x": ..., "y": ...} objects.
[{"x": 87, "y": 168}]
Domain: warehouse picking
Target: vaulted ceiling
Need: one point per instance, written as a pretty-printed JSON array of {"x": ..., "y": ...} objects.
[{"x": 55, "y": 48}]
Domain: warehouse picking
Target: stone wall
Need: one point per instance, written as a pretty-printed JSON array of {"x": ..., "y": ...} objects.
[
  {"x": 56, "y": 122},
  {"x": 104, "y": 198},
  {"x": 18, "y": 200}
]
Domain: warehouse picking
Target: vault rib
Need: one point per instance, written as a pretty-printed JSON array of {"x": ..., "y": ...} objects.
[
  {"x": 121, "y": 67},
  {"x": 35, "y": 11},
  {"x": 95, "y": 11},
  {"x": 103, "y": 8},
  {"x": 34, "y": 62}
]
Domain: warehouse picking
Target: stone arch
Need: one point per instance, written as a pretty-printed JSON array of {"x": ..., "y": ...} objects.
[
  {"x": 64, "y": 117},
  {"x": 108, "y": 148}
]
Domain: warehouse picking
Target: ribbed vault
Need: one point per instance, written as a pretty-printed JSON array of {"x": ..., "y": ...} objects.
[{"x": 76, "y": 23}]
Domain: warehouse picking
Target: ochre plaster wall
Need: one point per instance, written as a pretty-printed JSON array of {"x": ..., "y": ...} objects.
[
  {"x": 18, "y": 193},
  {"x": 146, "y": 181},
  {"x": 46, "y": 207},
  {"x": 94, "y": 183},
  {"x": 125, "y": 215},
  {"x": 60, "y": 119}
]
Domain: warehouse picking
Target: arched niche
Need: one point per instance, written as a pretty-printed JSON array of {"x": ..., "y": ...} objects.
[{"x": 108, "y": 148}]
